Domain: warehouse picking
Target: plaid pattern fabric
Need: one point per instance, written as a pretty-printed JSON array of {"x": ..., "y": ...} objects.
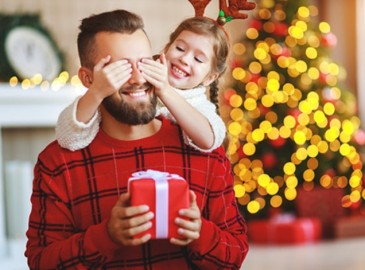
[{"x": 73, "y": 193}]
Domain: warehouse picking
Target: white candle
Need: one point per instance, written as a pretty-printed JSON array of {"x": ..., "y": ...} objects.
[{"x": 18, "y": 188}]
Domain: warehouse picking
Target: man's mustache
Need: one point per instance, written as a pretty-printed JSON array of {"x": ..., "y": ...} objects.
[{"x": 132, "y": 88}]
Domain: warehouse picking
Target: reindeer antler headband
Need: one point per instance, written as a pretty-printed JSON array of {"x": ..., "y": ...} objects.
[{"x": 227, "y": 12}]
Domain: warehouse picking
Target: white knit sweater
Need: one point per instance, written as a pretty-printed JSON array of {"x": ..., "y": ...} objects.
[{"x": 73, "y": 134}]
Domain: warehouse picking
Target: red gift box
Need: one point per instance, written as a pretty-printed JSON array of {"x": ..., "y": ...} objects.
[
  {"x": 284, "y": 230},
  {"x": 321, "y": 203},
  {"x": 353, "y": 226},
  {"x": 165, "y": 194}
]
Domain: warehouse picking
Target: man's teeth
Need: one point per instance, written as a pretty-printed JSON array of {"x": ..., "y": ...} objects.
[
  {"x": 137, "y": 94},
  {"x": 182, "y": 73}
]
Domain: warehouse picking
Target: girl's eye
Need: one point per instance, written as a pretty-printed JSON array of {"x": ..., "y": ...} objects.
[
  {"x": 179, "y": 49},
  {"x": 198, "y": 59}
]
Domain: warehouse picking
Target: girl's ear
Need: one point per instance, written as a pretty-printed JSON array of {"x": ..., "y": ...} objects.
[
  {"x": 85, "y": 76},
  {"x": 209, "y": 79}
]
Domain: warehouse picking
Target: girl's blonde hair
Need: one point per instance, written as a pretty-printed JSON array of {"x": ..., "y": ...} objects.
[{"x": 207, "y": 27}]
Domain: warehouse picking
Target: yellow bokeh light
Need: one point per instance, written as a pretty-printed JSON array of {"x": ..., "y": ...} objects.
[
  {"x": 249, "y": 149},
  {"x": 258, "y": 135},
  {"x": 302, "y": 25},
  {"x": 312, "y": 151},
  {"x": 273, "y": 85},
  {"x": 238, "y": 73},
  {"x": 239, "y": 190},
  {"x": 303, "y": 12},
  {"x": 291, "y": 182},
  {"x": 252, "y": 33},
  {"x": 276, "y": 201},
  {"x": 300, "y": 137},
  {"x": 272, "y": 188},
  {"x": 255, "y": 67},
  {"x": 324, "y": 27},
  {"x": 329, "y": 108},
  {"x": 308, "y": 175},
  {"x": 239, "y": 48},
  {"x": 253, "y": 207},
  {"x": 13, "y": 81},
  {"x": 301, "y": 66},
  {"x": 250, "y": 104},
  {"x": 236, "y": 114},
  {"x": 289, "y": 121},
  {"x": 313, "y": 73},
  {"x": 267, "y": 101},
  {"x": 325, "y": 181},
  {"x": 348, "y": 126},
  {"x": 290, "y": 194},
  {"x": 296, "y": 32},
  {"x": 263, "y": 180},
  {"x": 235, "y": 101},
  {"x": 345, "y": 149},
  {"x": 355, "y": 196},
  {"x": 289, "y": 168},
  {"x": 354, "y": 181},
  {"x": 284, "y": 132},
  {"x": 260, "y": 54},
  {"x": 283, "y": 62},
  {"x": 234, "y": 128},
  {"x": 301, "y": 153}
]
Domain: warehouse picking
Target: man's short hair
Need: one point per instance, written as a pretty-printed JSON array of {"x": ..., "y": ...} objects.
[{"x": 117, "y": 21}]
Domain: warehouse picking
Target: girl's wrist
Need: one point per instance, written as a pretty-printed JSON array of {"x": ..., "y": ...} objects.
[
  {"x": 94, "y": 95},
  {"x": 168, "y": 92}
]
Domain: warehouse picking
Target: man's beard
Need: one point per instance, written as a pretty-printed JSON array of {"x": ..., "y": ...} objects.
[{"x": 136, "y": 114}]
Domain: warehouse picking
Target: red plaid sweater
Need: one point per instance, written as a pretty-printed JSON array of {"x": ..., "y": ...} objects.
[{"x": 73, "y": 193}]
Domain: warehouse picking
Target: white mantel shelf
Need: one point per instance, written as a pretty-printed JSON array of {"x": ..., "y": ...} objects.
[{"x": 33, "y": 107}]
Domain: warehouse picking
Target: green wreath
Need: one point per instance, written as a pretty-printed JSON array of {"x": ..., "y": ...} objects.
[{"x": 10, "y": 21}]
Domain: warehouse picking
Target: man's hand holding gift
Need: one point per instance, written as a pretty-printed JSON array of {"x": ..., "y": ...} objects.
[
  {"x": 126, "y": 222},
  {"x": 190, "y": 224},
  {"x": 158, "y": 205}
]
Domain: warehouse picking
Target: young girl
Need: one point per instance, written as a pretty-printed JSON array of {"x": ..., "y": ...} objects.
[{"x": 193, "y": 59}]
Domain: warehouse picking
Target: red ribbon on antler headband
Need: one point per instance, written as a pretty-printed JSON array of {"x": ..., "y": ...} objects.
[{"x": 227, "y": 12}]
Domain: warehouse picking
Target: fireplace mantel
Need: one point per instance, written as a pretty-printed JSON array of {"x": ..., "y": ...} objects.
[{"x": 33, "y": 107}]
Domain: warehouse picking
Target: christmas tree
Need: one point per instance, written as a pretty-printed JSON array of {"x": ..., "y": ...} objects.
[{"x": 292, "y": 123}]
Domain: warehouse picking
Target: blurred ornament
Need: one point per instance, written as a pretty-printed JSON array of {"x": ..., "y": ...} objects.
[
  {"x": 280, "y": 29},
  {"x": 256, "y": 24},
  {"x": 359, "y": 137},
  {"x": 269, "y": 160},
  {"x": 329, "y": 40},
  {"x": 278, "y": 143}
]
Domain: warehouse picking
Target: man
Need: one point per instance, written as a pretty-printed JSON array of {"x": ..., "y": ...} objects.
[{"x": 81, "y": 217}]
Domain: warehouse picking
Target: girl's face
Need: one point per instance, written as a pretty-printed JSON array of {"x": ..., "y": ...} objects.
[{"x": 189, "y": 61}]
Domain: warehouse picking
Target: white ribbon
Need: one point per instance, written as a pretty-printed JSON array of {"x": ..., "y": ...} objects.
[{"x": 162, "y": 197}]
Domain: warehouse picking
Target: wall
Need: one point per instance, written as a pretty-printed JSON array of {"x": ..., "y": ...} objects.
[
  {"x": 341, "y": 15},
  {"x": 62, "y": 18}
]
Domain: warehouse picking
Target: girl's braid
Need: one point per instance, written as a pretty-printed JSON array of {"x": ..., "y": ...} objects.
[{"x": 213, "y": 95}]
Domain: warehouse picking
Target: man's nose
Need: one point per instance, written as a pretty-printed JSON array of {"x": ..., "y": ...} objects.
[{"x": 136, "y": 77}]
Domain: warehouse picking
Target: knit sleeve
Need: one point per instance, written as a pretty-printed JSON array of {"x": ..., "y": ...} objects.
[
  {"x": 54, "y": 240},
  {"x": 208, "y": 109},
  {"x": 223, "y": 242},
  {"x": 73, "y": 134}
]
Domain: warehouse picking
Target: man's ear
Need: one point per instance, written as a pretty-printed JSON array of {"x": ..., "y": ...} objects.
[
  {"x": 209, "y": 79},
  {"x": 85, "y": 76}
]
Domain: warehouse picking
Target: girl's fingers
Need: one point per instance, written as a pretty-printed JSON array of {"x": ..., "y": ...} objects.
[
  {"x": 163, "y": 59},
  {"x": 153, "y": 74},
  {"x": 118, "y": 66},
  {"x": 102, "y": 62}
]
